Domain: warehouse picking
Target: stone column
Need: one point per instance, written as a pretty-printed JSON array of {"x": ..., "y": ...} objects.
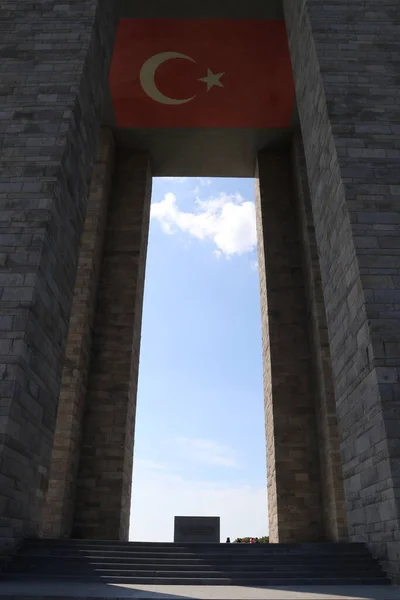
[
  {"x": 335, "y": 517},
  {"x": 345, "y": 62},
  {"x": 53, "y": 69},
  {"x": 294, "y": 494},
  {"x": 104, "y": 483},
  {"x": 60, "y": 499}
]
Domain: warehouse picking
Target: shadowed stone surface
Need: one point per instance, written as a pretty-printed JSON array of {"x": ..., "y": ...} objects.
[
  {"x": 199, "y": 592},
  {"x": 33, "y": 591},
  {"x": 294, "y": 494},
  {"x": 105, "y": 474},
  {"x": 60, "y": 500},
  {"x": 334, "y": 516},
  {"x": 345, "y": 57},
  {"x": 54, "y": 63},
  {"x": 253, "y": 565}
]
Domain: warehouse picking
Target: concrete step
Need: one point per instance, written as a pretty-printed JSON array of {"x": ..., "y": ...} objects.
[
  {"x": 287, "y": 579},
  {"x": 63, "y": 553},
  {"x": 83, "y": 570},
  {"x": 191, "y": 558},
  {"x": 19, "y": 564},
  {"x": 144, "y": 548},
  {"x": 317, "y": 546},
  {"x": 195, "y": 564},
  {"x": 211, "y": 575}
]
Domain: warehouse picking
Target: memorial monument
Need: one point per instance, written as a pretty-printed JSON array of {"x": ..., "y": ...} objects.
[
  {"x": 99, "y": 96},
  {"x": 197, "y": 530}
]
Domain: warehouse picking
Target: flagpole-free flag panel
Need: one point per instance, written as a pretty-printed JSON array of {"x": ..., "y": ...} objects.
[{"x": 202, "y": 73}]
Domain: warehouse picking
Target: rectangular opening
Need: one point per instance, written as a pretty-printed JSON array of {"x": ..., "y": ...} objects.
[{"x": 200, "y": 441}]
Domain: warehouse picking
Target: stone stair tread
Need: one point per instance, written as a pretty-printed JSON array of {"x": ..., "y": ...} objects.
[
  {"x": 192, "y": 557},
  {"x": 344, "y": 555},
  {"x": 177, "y": 565},
  {"x": 230, "y": 549},
  {"x": 212, "y": 571},
  {"x": 216, "y": 564},
  {"x": 80, "y": 542},
  {"x": 264, "y": 581}
]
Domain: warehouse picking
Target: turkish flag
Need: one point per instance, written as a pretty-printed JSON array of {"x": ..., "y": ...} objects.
[{"x": 202, "y": 73}]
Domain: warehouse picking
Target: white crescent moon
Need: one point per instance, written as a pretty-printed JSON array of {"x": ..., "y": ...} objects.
[{"x": 148, "y": 71}]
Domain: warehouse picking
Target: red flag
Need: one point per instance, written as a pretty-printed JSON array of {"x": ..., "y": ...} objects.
[{"x": 202, "y": 73}]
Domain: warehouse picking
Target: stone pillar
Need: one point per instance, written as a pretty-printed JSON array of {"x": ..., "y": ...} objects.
[
  {"x": 105, "y": 474},
  {"x": 60, "y": 500},
  {"x": 52, "y": 95},
  {"x": 345, "y": 63},
  {"x": 294, "y": 494},
  {"x": 335, "y": 518}
]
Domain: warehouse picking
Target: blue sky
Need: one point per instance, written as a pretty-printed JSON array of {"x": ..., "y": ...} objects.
[{"x": 199, "y": 443}]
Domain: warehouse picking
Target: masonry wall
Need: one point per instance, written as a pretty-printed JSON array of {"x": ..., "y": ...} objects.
[
  {"x": 54, "y": 64},
  {"x": 294, "y": 487},
  {"x": 334, "y": 508},
  {"x": 105, "y": 474},
  {"x": 60, "y": 500},
  {"x": 345, "y": 59}
]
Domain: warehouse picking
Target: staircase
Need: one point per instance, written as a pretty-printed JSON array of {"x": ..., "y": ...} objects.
[{"x": 195, "y": 564}]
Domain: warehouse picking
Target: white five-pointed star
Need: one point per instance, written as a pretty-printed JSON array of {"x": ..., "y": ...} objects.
[{"x": 212, "y": 79}]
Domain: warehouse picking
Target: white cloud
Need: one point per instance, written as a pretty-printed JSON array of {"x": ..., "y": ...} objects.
[
  {"x": 159, "y": 496},
  {"x": 204, "y": 181},
  {"x": 208, "y": 452},
  {"x": 175, "y": 179},
  {"x": 195, "y": 191},
  {"x": 227, "y": 220}
]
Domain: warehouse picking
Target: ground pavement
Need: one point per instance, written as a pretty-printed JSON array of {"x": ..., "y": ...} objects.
[{"x": 64, "y": 590}]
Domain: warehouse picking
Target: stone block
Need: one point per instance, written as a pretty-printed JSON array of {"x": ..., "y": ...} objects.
[
  {"x": 40, "y": 239},
  {"x": 58, "y": 512},
  {"x": 102, "y": 506},
  {"x": 349, "y": 132},
  {"x": 295, "y": 510},
  {"x": 197, "y": 530}
]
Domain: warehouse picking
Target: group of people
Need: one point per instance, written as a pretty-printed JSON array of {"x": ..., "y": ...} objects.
[{"x": 251, "y": 541}]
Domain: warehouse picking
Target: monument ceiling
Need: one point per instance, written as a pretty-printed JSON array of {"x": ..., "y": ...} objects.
[{"x": 201, "y": 86}]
